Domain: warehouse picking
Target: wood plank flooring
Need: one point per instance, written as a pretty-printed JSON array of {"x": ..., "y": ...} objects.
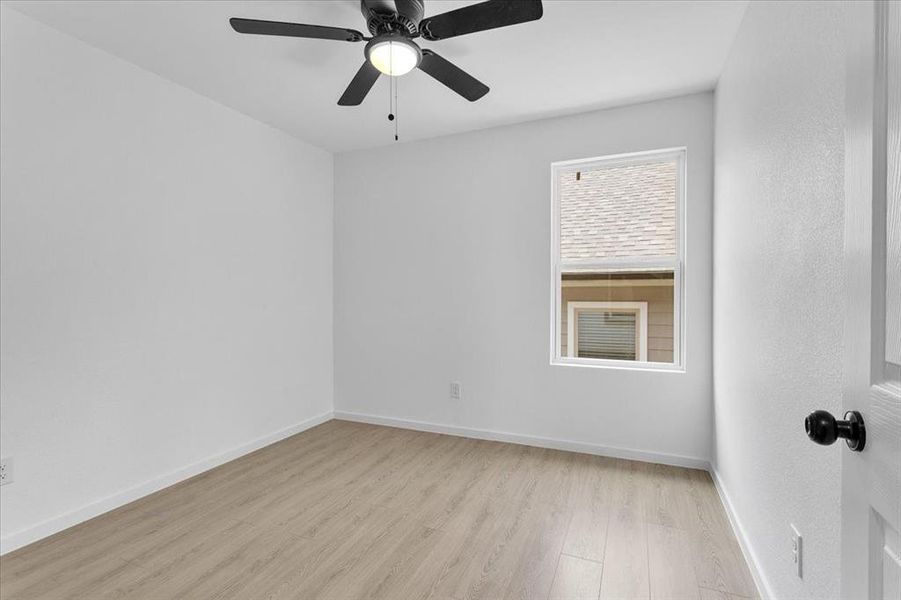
[{"x": 346, "y": 511}]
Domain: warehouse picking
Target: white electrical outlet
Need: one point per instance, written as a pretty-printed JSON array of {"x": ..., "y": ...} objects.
[
  {"x": 456, "y": 390},
  {"x": 796, "y": 550},
  {"x": 6, "y": 471}
]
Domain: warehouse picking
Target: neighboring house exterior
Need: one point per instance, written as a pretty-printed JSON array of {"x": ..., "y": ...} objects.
[{"x": 617, "y": 212}]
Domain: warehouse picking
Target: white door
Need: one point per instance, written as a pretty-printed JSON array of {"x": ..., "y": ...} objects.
[{"x": 871, "y": 479}]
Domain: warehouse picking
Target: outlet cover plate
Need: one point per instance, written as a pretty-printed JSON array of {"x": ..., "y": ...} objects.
[
  {"x": 6, "y": 471},
  {"x": 797, "y": 551}
]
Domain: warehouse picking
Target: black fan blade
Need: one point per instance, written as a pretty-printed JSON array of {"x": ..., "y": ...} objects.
[
  {"x": 359, "y": 85},
  {"x": 294, "y": 30},
  {"x": 452, "y": 76},
  {"x": 480, "y": 17}
]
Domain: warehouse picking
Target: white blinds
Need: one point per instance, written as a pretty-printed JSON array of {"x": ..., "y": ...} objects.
[{"x": 606, "y": 334}]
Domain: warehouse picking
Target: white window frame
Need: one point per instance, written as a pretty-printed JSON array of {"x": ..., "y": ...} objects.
[
  {"x": 639, "y": 309},
  {"x": 676, "y": 263}
]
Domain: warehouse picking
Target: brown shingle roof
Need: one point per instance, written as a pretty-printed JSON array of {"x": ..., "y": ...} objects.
[{"x": 619, "y": 212}]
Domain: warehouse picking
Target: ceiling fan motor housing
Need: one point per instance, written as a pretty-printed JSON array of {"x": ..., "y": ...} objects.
[{"x": 392, "y": 16}]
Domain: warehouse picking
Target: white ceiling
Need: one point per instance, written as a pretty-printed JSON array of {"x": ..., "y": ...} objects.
[{"x": 581, "y": 55}]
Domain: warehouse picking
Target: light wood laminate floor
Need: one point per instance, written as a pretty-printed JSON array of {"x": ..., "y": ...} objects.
[{"x": 347, "y": 510}]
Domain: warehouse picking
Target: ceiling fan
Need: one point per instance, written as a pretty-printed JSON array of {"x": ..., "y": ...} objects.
[{"x": 394, "y": 24}]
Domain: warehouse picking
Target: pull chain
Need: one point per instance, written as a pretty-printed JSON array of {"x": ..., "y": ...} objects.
[
  {"x": 392, "y": 92},
  {"x": 390, "y": 97}
]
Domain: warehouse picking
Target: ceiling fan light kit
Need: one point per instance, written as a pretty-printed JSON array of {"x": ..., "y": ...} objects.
[
  {"x": 393, "y": 54},
  {"x": 394, "y": 24}
]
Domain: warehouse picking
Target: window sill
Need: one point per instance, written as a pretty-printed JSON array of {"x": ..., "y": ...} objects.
[{"x": 623, "y": 365}]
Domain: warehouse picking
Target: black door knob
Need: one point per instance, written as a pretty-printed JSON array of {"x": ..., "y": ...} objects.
[{"x": 822, "y": 428}]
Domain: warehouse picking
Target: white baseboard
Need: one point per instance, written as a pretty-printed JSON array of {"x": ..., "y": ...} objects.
[
  {"x": 528, "y": 440},
  {"x": 46, "y": 528},
  {"x": 763, "y": 588}
]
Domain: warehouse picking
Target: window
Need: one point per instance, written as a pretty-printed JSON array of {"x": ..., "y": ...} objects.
[
  {"x": 617, "y": 330},
  {"x": 617, "y": 258}
]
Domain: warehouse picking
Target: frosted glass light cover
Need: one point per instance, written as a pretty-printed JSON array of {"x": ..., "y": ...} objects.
[{"x": 393, "y": 58}]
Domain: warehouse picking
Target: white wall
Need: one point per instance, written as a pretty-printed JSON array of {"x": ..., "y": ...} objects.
[
  {"x": 778, "y": 285},
  {"x": 166, "y": 280},
  {"x": 442, "y": 273}
]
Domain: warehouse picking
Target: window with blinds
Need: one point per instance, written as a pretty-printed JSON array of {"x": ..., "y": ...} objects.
[
  {"x": 606, "y": 334},
  {"x": 607, "y": 330},
  {"x": 618, "y": 259}
]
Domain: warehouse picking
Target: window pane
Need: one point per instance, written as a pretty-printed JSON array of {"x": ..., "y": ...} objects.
[
  {"x": 623, "y": 211},
  {"x": 602, "y": 304}
]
